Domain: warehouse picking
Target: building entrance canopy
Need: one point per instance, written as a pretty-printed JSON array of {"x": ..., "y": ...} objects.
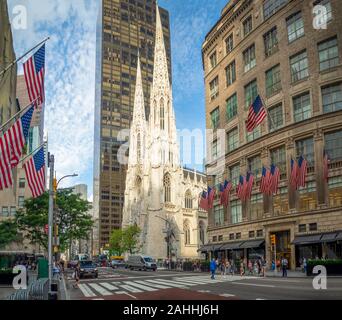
[
  {"x": 233, "y": 245},
  {"x": 317, "y": 238}
]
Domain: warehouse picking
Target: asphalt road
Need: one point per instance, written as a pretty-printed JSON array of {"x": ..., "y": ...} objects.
[{"x": 136, "y": 285}]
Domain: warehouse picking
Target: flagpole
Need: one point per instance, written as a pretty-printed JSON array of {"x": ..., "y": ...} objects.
[
  {"x": 33, "y": 152},
  {"x": 266, "y": 109},
  {"x": 17, "y": 60},
  {"x": 18, "y": 113}
]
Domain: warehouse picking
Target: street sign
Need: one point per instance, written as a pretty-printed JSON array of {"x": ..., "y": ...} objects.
[{"x": 46, "y": 229}]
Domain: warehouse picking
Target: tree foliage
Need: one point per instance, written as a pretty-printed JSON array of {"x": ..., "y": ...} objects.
[
  {"x": 125, "y": 240},
  {"x": 8, "y": 233},
  {"x": 116, "y": 242},
  {"x": 73, "y": 219}
]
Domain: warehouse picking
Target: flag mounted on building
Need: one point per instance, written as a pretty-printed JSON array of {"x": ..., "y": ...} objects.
[
  {"x": 265, "y": 181},
  {"x": 256, "y": 115},
  {"x": 211, "y": 196},
  {"x": 325, "y": 166},
  {"x": 35, "y": 173},
  {"x": 249, "y": 185},
  {"x": 6, "y": 180},
  {"x": 274, "y": 179},
  {"x": 224, "y": 193},
  {"x": 240, "y": 190},
  {"x": 302, "y": 171},
  {"x": 16, "y": 137},
  {"x": 34, "y": 72},
  {"x": 294, "y": 173},
  {"x": 203, "y": 203}
]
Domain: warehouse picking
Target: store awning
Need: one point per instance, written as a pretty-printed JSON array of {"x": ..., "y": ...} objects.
[
  {"x": 329, "y": 237},
  {"x": 231, "y": 245},
  {"x": 339, "y": 236},
  {"x": 252, "y": 244},
  {"x": 210, "y": 247},
  {"x": 314, "y": 238}
]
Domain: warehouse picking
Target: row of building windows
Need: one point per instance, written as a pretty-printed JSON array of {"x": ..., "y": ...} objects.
[
  {"x": 237, "y": 236},
  {"x": 10, "y": 211}
]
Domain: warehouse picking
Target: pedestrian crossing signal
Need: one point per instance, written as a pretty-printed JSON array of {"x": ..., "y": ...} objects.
[{"x": 273, "y": 239}]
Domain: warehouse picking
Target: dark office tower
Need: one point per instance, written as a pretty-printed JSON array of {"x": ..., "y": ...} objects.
[{"x": 125, "y": 28}]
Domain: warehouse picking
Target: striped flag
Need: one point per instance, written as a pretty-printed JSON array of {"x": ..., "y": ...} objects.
[
  {"x": 265, "y": 181},
  {"x": 274, "y": 180},
  {"x": 34, "y": 72},
  {"x": 302, "y": 171},
  {"x": 203, "y": 203},
  {"x": 5, "y": 166},
  {"x": 16, "y": 137},
  {"x": 224, "y": 193},
  {"x": 256, "y": 115},
  {"x": 35, "y": 173},
  {"x": 294, "y": 171},
  {"x": 325, "y": 166},
  {"x": 211, "y": 196},
  {"x": 249, "y": 185},
  {"x": 241, "y": 187}
]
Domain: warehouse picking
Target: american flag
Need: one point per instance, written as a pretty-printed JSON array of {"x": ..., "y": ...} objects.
[
  {"x": 203, "y": 203},
  {"x": 16, "y": 137},
  {"x": 302, "y": 171},
  {"x": 274, "y": 180},
  {"x": 35, "y": 173},
  {"x": 240, "y": 190},
  {"x": 294, "y": 172},
  {"x": 249, "y": 185},
  {"x": 5, "y": 166},
  {"x": 265, "y": 181},
  {"x": 224, "y": 193},
  {"x": 325, "y": 166},
  {"x": 34, "y": 72},
  {"x": 256, "y": 115},
  {"x": 211, "y": 196}
]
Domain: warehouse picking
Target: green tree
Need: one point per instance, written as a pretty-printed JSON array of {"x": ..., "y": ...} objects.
[
  {"x": 74, "y": 222},
  {"x": 116, "y": 244},
  {"x": 8, "y": 233},
  {"x": 131, "y": 238}
]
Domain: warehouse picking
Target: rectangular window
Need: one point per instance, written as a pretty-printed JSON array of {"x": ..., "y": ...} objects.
[
  {"x": 220, "y": 238},
  {"x": 302, "y": 228},
  {"x": 213, "y": 60},
  {"x": 273, "y": 81},
  {"x": 272, "y": 6},
  {"x": 260, "y": 233},
  {"x": 231, "y": 236},
  {"x": 236, "y": 211},
  {"x": 278, "y": 158},
  {"x": 249, "y": 58},
  {"x": 308, "y": 197},
  {"x": 271, "y": 42},
  {"x": 215, "y": 118},
  {"x": 22, "y": 183},
  {"x": 234, "y": 174},
  {"x": 214, "y": 89},
  {"x": 302, "y": 107},
  {"x": 335, "y": 191},
  {"x": 247, "y": 26},
  {"x": 255, "y": 134},
  {"x": 305, "y": 148},
  {"x": 254, "y": 165},
  {"x": 229, "y": 44},
  {"x": 231, "y": 74},
  {"x": 332, "y": 97},
  {"x": 251, "y": 92},
  {"x": 251, "y": 234},
  {"x": 275, "y": 117},
  {"x": 214, "y": 238},
  {"x": 218, "y": 215},
  {"x": 238, "y": 235},
  {"x": 327, "y": 15},
  {"x": 299, "y": 66},
  {"x": 5, "y": 211},
  {"x": 313, "y": 227},
  {"x": 21, "y": 201},
  {"x": 13, "y": 211},
  {"x": 232, "y": 107},
  {"x": 295, "y": 26},
  {"x": 256, "y": 208},
  {"x": 333, "y": 145},
  {"x": 328, "y": 54},
  {"x": 214, "y": 149},
  {"x": 233, "y": 140}
]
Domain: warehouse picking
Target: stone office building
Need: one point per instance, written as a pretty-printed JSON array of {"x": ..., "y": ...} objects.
[{"x": 271, "y": 48}]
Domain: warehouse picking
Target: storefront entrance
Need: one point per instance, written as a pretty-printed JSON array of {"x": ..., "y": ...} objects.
[{"x": 283, "y": 245}]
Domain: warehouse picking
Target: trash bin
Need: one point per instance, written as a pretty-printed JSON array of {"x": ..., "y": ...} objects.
[{"x": 43, "y": 268}]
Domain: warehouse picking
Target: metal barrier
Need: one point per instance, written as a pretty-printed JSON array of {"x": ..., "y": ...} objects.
[{"x": 37, "y": 290}]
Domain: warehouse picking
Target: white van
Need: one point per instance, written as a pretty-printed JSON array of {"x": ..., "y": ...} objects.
[{"x": 141, "y": 262}]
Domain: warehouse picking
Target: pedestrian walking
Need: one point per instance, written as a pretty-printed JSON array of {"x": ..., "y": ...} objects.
[
  {"x": 263, "y": 267},
  {"x": 305, "y": 265},
  {"x": 223, "y": 268},
  {"x": 242, "y": 268},
  {"x": 213, "y": 266},
  {"x": 76, "y": 276},
  {"x": 284, "y": 264},
  {"x": 250, "y": 268}
]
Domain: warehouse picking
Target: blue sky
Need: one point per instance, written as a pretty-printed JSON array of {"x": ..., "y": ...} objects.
[{"x": 70, "y": 74}]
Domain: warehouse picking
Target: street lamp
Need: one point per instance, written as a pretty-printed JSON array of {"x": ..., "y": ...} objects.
[{"x": 168, "y": 237}]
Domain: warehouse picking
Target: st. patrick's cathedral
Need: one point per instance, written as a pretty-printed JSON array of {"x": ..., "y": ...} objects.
[{"x": 161, "y": 197}]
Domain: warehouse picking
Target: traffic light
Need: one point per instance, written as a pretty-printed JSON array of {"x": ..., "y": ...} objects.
[{"x": 273, "y": 239}]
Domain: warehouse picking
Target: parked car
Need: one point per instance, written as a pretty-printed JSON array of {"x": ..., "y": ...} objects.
[
  {"x": 117, "y": 264},
  {"x": 88, "y": 268},
  {"x": 141, "y": 263}
]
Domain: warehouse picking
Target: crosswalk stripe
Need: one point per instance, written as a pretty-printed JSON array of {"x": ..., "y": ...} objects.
[
  {"x": 140, "y": 286},
  {"x": 86, "y": 291},
  {"x": 108, "y": 286},
  {"x": 189, "y": 282},
  {"x": 227, "y": 295},
  {"x": 159, "y": 286},
  {"x": 163, "y": 282},
  {"x": 100, "y": 289},
  {"x": 130, "y": 288},
  {"x": 203, "y": 281}
]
